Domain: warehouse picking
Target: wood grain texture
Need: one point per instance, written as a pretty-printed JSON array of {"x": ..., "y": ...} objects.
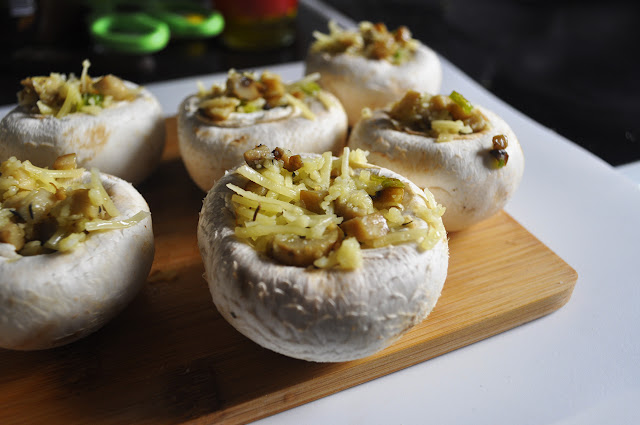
[{"x": 170, "y": 358}]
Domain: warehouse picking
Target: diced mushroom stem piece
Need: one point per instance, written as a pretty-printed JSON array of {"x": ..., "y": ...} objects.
[
  {"x": 444, "y": 103},
  {"x": 417, "y": 113},
  {"x": 366, "y": 228},
  {"x": 274, "y": 89},
  {"x": 293, "y": 250},
  {"x": 406, "y": 107},
  {"x": 311, "y": 199},
  {"x": 80, "y": 203},
  {"x": 382, "y": 48},
  {"x": 40, "y": 204},
  {"x": 65, "y": 162},
  {"x": 13, "y": 234},
  {"x": 290, "y": 162},
  {"x": 110, "y": 85},
  {"x": 40, "y": 88},
  {"x": 402, "y": 34},
  {"x": 388, "y": 197},
  {"x": 358, "y": 204},
  {"x": 243, "y": 87},
  {"x": 476, "y": 122},
  {"x": 499, "y": 152},
  {"x": 33, "y": 206},
  {"x": 500, "y": 141},
  {"x": 256, "y": 156}
]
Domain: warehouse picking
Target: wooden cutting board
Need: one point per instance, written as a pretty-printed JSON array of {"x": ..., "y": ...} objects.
[{"x": 170, "y": 358}]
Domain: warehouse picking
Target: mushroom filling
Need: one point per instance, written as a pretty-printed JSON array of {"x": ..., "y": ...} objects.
[
  {"x": 321, "y": 211},
  {"x": 245, "y": 92},
  {"x": 372, "y": 41},
  {"x": 60, "y": 95},
  {"x": 47, "y": 210},
  {"x": 499, "y": 152},
  {"x": 439, "y": 116}
]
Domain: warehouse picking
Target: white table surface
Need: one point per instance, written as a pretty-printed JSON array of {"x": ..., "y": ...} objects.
[{"x": 578, "y": 365}]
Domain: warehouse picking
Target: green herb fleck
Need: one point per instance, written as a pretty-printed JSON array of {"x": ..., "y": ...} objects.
[
  {"x": 461, "y": 101},
  {"x": 500, "y": 156},
  {"x": 310, "y": 88},
  {"x": 90, "y": 99},
  {"x": 386, "y": 181}
]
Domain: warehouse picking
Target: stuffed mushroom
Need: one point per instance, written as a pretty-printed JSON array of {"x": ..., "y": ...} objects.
[
  {"x": 111, "y": 124},
  {"x": 216, "y": 126},
  {"x": 75, "y": 247},
  {"x": 466, "y": 155},
  {"x": 372, "y": 66},
  {"x": 321, "y": 258}
]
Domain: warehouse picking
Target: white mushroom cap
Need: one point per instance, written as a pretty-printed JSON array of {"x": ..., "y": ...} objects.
[
  {"x": 326, "y": 315},
  {"x": 209, "y": 149},
  {"x": 125, "y": 139},
  {"x": 459, "y": 173},
  {"x": 53, "y": 299},
  {"x": 360, "y": 82}
]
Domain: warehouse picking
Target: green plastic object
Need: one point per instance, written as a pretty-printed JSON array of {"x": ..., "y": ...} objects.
[
  {"x": 130, "y": 32},
  {"x": 189, "y": 20}
]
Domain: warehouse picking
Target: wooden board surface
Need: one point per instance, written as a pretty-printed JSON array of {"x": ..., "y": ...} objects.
[{"x": 170, "y": 358}]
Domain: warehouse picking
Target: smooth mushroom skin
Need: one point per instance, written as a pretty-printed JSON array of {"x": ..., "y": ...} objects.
[
  {"x": 320, "y": 315},
  {"x": 54, "y": 299},
  {"x": 359, "y": 82},
  {"x": 210, "y": 148},
  {"x": 125, "y": 140},
  {"x": 460, "y": 173}
]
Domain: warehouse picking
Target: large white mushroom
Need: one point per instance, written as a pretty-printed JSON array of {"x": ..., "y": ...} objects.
[
  {"x": 372, "y": 67},
  {"x": 215, "y": 128},
  {"x": 323, "y": 314},
  {"x": 124, "y": 138},
  {"x": 52, "y": 299},
  {"x": 472, "y": 173}
]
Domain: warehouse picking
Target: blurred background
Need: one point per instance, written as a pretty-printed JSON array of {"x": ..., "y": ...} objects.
[{"x": 573, "y": 66}]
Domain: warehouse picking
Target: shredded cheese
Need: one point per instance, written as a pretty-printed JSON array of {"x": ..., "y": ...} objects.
[
  {"x": 60, "y": 95},
  {"x": 372, "y": 41},
  {"x": 438, "y": 116},
  {"x": 447, "y": 128},
  {"x": 98, "y": 224},
  {"x": 294, "y": 221},
  {"x": 297, "y": 103},
  {"x": 264, "y": 199},
  {"x": 269, "y": 183},
  {"x": 246, "y": 92},
  {"x": 46, "y": 210}
]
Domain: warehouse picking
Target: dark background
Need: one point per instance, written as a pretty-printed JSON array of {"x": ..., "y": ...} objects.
[{"x": 574, "y": 66}]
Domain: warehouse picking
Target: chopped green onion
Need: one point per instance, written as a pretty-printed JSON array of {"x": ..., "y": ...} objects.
[
  {"x": 461, "y": 101},
  {"x": 90, "y": 99},
  {"x": 386, "y": 181},
  {"x": 310, "y": 88}
]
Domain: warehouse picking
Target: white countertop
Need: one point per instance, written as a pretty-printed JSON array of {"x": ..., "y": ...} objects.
[{"x": 578, "y": 365}]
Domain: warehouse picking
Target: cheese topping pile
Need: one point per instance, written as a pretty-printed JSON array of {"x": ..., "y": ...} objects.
[
  {"x": 439, "y": 116},
  {"x": 246, "y": 92},
  {"x": 372, "y": 41},
  {"x": 321, "y": 211},
  {"x": 59, "y": 95},
  {"x": 48, "y": 210}
]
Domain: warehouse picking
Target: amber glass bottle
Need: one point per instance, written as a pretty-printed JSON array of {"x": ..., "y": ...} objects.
[{"x": 258, "y": 24}]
